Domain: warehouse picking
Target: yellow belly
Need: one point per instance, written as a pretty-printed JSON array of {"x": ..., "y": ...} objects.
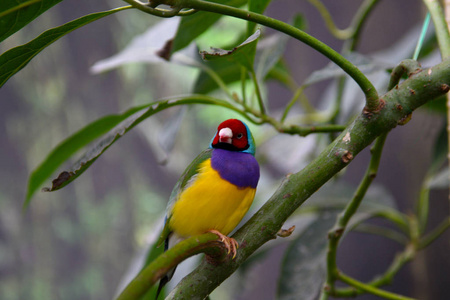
[{"x": 210, "y": 203}]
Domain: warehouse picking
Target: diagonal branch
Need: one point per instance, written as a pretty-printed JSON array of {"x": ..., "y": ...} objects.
[{"x": 263, "y": 226}]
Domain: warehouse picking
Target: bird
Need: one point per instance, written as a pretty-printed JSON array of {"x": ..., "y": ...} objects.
[{"x": 215, "y": 191}]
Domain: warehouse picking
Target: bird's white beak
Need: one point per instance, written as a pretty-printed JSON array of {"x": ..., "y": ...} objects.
[{"x": 225, "y": 135}]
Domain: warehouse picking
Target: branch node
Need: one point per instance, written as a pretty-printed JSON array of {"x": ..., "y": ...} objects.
[
  {"x": 286, "y": 232},
  {"x": 405, "y": 119},
  {"x": 346, "y": 157},
  {"x": 368, "y": 112}
]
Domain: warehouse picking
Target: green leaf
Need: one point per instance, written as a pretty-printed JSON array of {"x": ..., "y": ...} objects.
[
  {"x": 303, "y": 268},
  {"x": 244, "y": 54},
  {"x": 15, "y": 14},
  {"x": 192, "y": 26},
  {"x": 269, "y": 53},
  {"x": 269, "y": 50},
  {"x": 13, "y": 60},
  {"x": 117, "y": 125},
  {"x": 70, "y": 146},
  {"x": 256, "y": 6},
  {"x": 300, "y": 22}
]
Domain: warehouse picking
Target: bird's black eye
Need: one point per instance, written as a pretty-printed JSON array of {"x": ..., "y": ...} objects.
[{"x": 239, "y": 136}]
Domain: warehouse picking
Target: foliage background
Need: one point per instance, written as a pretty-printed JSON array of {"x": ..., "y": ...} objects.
[{"x": 78, "y": 242}]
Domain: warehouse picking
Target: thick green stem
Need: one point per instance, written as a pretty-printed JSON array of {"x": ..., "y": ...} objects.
[{"x": 263, "y": 226}]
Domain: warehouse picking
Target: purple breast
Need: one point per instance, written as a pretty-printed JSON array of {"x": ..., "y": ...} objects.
[{"x": 240, "y": 169}]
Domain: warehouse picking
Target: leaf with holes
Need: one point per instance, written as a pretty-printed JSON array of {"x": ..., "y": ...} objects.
[{"x": 244, "y": 54}]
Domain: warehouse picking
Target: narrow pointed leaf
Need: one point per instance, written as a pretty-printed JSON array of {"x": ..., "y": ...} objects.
[
  {"x": 70, "y": 146},
  {"x": 15, "y": 14},
  {"x": 13, "y": 60},
  {"x": 117, "y": 126}
]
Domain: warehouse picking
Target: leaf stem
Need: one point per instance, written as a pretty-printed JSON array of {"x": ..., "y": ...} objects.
[
  {"x": 440, "y": 229},
  {"x": 371, "y": 289},
  {"x": 258, "y": 92}
]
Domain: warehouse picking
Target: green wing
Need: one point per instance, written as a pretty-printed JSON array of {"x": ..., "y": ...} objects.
[{"x": 190, "y": 172}]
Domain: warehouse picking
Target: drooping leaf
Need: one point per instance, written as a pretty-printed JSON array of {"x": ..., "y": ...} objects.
[
  {"x": 146, "y": 47},
  {"x": 303, "y": 267},
  {"x": 13, "y": 60},
  {"x": 117, "y": 127},
  {"x": 440, "y": 180},
  {"x": 192, "y": 26},
  {"x": 15, "y": 14},
  {"x": 70, "y": 146},
  {"x": 256, "y": 6},
  {"x": 244, "y": 54}
]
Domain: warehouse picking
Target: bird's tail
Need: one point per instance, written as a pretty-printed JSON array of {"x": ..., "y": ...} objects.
[
  {"x": 169, "y": 274},
  {"x": 162, "y": 283}
]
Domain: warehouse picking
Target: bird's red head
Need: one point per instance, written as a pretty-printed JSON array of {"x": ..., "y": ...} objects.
[{"x": 231, "y": 134}]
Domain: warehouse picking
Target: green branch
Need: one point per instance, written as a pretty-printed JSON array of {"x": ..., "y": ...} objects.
[
  {"x": 409, "y": 67},
  {"x": 206, "y": 243},
  {"x": 263, "y": 226},
  {"x": 372, "y": 101},
  {"x": 339, "y": 228},
  {"x": 371, "y": 289}
]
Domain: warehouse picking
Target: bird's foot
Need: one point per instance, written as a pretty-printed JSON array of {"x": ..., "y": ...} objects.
[{"x": 230, "y": 243}]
